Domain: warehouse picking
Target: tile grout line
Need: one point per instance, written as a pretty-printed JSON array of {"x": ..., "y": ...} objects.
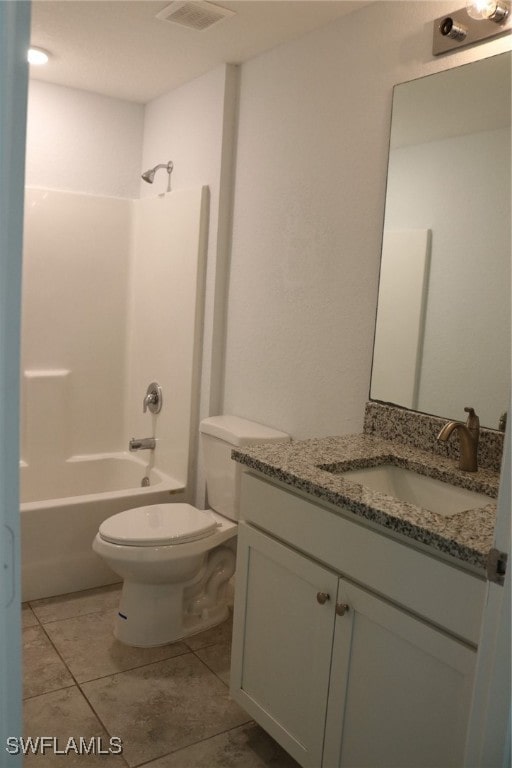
[
  {"x": 208, "y": 666},
  {"x": 74, "y": 616},
  {"x": 98, "y": 590},
  {"x": 79, "y": 684},
  {"x": 192, "y": 744},
  {"x": 132, "y": 669},
  {"x": 116, "y": 672},
  {"x": 172, "y": 751},
  {"x": 76, "y": 685},
  {"x": 53, "y": 690},
  {"x": 107, "y": 731}
]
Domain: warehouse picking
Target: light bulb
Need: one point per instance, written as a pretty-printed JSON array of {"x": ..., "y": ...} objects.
[
  {"x": 37, "y": 57},
  {"x": 496, "y": 10}
]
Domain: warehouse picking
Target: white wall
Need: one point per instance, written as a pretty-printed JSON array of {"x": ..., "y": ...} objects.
[
  {"x": 83, "y": 142},
  {"x": 309, "y": 203}
]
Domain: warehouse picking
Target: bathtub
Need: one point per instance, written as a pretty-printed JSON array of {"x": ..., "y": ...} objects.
[{"x": 62, "y": 507}]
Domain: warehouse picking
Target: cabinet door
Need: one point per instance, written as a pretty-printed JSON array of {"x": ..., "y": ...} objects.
[
  {"x": 400, "y": 690},
  {"x": 282, "y": 640}
]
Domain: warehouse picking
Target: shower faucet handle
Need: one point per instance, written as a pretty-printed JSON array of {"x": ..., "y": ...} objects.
[{"x": 153, "y": 398}]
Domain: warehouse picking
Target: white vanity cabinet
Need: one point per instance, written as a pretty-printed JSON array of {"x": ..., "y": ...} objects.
[
  {"x": 283, "y": 641},
  {"x": 349, "y": 666}
]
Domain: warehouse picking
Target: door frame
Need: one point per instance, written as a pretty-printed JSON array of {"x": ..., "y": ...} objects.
[{"x": 14, "y": 42}]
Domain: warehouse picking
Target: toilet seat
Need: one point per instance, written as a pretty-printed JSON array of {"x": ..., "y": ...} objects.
[{"x": 158, "y": 525}]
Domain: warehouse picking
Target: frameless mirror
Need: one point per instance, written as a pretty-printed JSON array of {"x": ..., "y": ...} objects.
[{"x": 443, "y": 330}]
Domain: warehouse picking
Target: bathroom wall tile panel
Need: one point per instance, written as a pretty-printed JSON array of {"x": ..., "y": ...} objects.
[
  {"x": 89, "y": 648},
  {"x": 164, "y": 320},
  {"x": 245, "y": 747},
  {"x": 46, "y": 435},
  {"x": 75, "y": 285},
  {"x": 163, "y": 707},
  {"x": 63, "y": 715},
  {"x": 43, "y": 670}
]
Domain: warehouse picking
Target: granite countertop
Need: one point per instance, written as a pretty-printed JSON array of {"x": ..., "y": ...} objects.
[{"x": 303, "y": 465}]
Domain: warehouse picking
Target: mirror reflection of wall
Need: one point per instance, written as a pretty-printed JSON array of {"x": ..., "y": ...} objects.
[{"x": 443, "y": 334}]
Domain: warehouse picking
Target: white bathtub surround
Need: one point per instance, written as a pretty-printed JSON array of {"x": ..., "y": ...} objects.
[
  {"x": 113, "y": 297},
  {"x": 86, "y": 143},
  {"x": 74, "y": 309},
  {"x": 165, "y": 321},
  {"x": 46, "y": 436}
]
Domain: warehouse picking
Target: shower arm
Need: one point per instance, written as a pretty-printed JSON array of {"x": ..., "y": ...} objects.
[{"x": 169, "y": 166}]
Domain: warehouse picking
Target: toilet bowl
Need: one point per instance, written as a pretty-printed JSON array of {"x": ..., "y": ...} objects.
[
  {"x": 176, "y": 560},
  {"x": 171, "y": 587}
]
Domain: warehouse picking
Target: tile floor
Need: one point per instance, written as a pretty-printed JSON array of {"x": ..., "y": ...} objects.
[{"x": 169, "y": 705}]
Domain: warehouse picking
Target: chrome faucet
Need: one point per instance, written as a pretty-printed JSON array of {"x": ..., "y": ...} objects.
[
  {"x": 468, "y": 436},
  {"x": 142, "y": 444}
]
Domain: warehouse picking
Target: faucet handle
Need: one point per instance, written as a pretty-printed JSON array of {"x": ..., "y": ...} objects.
[
  {"x": 473, "y": 422},
  {"x": 153, "y": 398}
]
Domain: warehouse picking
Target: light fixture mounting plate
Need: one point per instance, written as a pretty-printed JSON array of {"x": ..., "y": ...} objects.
[{"x": 476, "y": 30}]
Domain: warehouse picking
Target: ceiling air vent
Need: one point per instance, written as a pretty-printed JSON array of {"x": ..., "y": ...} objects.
[{"x": 195, "y": 15}]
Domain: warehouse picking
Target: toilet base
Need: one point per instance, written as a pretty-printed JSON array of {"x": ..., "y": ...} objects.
[
  {"x": 156, "y": 614},
  {"x": 135, "y": 630}
]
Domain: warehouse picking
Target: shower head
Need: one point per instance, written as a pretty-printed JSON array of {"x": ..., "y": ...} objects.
[{"x": 149, "y": 176}]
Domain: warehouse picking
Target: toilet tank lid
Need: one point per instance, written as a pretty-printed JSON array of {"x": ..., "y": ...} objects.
[{"x": 237, "y": 431}]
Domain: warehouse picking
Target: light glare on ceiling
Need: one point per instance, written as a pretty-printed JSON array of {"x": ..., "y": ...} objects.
[{"x": 37, "y": 57}]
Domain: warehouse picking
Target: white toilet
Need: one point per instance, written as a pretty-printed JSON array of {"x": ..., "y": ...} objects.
[{"x": 176, "y": 560}]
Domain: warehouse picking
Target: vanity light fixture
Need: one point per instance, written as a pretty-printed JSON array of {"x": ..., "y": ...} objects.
[
  {"x": 479, "y": 20},
  {"x": 495, "y": 10},
  {"x": 37, "y": 56}
]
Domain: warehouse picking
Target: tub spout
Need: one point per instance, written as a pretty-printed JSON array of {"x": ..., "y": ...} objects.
[{"x": 142, "y": 444}]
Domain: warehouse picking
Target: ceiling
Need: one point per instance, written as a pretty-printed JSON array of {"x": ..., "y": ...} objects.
[{"x": 120, "y": 49}]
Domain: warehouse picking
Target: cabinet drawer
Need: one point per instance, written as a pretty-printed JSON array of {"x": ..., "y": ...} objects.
[{"x": 437, "y": 591}]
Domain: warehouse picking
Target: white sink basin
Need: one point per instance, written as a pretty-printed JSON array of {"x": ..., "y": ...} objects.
[{"x": 420, "y": 490}]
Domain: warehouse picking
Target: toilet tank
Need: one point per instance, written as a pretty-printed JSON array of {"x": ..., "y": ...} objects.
[{"x": 218, "y": 436}]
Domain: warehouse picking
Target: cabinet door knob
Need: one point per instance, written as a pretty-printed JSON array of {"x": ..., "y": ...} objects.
[
  {"x": 342, "y": 608},
  {"x": 322, "y": 597}
]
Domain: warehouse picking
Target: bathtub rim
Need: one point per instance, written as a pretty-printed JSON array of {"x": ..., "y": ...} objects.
[{"x": 166, "y": 483}]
